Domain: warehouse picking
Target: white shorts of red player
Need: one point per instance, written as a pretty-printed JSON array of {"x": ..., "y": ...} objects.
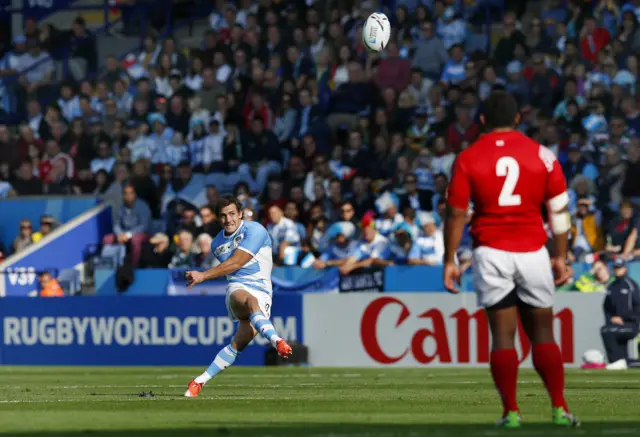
[{"x": 496, "y": 273}]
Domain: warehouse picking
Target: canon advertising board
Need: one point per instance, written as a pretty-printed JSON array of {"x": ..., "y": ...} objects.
[{"x": 431, "y": 329}]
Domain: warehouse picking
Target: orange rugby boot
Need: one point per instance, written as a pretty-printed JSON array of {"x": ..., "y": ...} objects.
[
  {"x": 193, "y": 391},
  {"x": 283, "y": 348}
]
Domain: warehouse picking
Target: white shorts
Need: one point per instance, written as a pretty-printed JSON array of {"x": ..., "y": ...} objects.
[
  {"x": 264, "y": 299},
  {"x": 496, "y": 273}
]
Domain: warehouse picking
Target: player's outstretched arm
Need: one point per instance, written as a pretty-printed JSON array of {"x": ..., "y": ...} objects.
[
  {"x": 453, "y": 229},
  {"x": 234, "y": 263}
]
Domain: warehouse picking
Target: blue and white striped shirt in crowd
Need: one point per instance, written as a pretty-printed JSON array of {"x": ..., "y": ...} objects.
[
  {"x": 424, "y": 178},
  {"x": 196, "y": 151},
  {"x": 285, "y": 231},
  {"x": 177, "y": 154},
  {"x": 161, "y": 143},
  {"x": 595, "y": 124},
  {"x": 452, "y": 33},
  {"x": 385, "y": 225},
  {"x": 429, "y": 248},
  {"x": 98, "y": 104},
  {"x": 335, "y": 252},
  {"x": 454, "y": 72},
  {"x": 70, "y": 108},
  {"x": 140, "y": 148},
  {"x": 124, "y": 102},
  {"x": 212, "y": 150},
  {"x": 378, "y": 248}
]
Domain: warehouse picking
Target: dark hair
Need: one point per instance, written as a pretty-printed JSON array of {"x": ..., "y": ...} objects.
[
  {"x": 226, "y": 201},
  {"x": 500, "y": 110}
]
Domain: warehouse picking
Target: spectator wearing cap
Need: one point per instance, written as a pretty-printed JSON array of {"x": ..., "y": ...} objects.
[
  {"x": 593, "y": 39},
  {"x": 622, "y": 316},
  {"x": 401, "y": 245},
  {"x": 131, "y": 224},
  {"x": 428, "y": 249},
  {"x": 516, "y": 84},
  {"x": 387, "y": 206},
  {"x": 373, "y": 250},
  {"x": 430, "y": 54},
  {"x": 160, "y": 138}
]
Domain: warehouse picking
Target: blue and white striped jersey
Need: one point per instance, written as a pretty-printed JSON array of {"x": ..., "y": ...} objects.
[
  {"x": 378, "y": 248},
  {"x": 254, "y": 239},
  {"x": 284, "y": 231}
]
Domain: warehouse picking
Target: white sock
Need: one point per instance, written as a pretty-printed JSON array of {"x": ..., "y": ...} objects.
[{"x": 203, "y": 379}]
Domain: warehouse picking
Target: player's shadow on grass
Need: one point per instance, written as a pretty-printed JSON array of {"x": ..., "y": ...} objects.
[{"x": 212, "y": 429}]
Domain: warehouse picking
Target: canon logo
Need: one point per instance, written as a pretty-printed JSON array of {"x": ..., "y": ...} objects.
[{"x": 460, "y": 321}]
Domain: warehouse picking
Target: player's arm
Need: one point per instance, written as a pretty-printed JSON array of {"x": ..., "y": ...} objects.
[
  {"x": 233, "y": 264},
  {"x": 559, "y": 217},
  {"x": 458, "y": 196}
]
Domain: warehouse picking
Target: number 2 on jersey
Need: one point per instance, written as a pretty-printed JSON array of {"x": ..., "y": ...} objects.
[{"x": 508, "y": 168}]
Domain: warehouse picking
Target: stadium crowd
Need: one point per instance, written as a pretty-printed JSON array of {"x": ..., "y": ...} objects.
[{"x": 345, "y": 155}]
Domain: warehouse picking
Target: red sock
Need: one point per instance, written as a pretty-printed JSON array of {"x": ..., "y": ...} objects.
[
  {"x": 504, "y": 369},
  {"x": 547, "y": 359}
]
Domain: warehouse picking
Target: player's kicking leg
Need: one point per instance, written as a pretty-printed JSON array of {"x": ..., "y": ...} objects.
[
  {"x": 253, "y": 320},
  {"x": 225, "y": 358},
  {"x": 547, "y": 360}
]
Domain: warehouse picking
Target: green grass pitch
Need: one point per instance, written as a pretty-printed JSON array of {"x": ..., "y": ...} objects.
[{"x": 293, "y": 402}]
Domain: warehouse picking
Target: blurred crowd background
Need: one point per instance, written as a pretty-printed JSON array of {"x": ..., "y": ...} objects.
[{"x": 344, "y": 155}]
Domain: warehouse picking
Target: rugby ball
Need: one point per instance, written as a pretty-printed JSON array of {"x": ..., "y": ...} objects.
[{"x": 376, "y": 32}]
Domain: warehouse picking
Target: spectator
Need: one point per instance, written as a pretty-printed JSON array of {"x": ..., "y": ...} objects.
[
  {"x": 184, "y": 256},
  {"x": 131, "y": 224},
  {"x": 593, "y": 40},
  {"x": 47, "y": 225},
  {"x": 622, "y": 316},
  {"x": 49, "y": 287},
  {"x": 38, "y": 72},
  {"x": 372, "y": 250},
  {"x": 84, "y": 54},
  {"x": 24, "y": 238},
  {"x": 431, "y": 54},
  {"x": 429, "y": 248},
  {"x": 156, "y": 253},
  {"x": 586, "y": 233},
  {"x": 283, "y": 231},
  {"x": 620, "y": 236},
  {"x": 205, "y": 258},
  {"x": 26, "y": 184}
]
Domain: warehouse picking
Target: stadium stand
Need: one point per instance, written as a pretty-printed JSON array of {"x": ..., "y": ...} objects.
[{"x": 278, "y": 103}]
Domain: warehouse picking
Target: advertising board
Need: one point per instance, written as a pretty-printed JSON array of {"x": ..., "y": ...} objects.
[
  {"x": 151, "y": 330},
  {"x": 431, "y": 329}
]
